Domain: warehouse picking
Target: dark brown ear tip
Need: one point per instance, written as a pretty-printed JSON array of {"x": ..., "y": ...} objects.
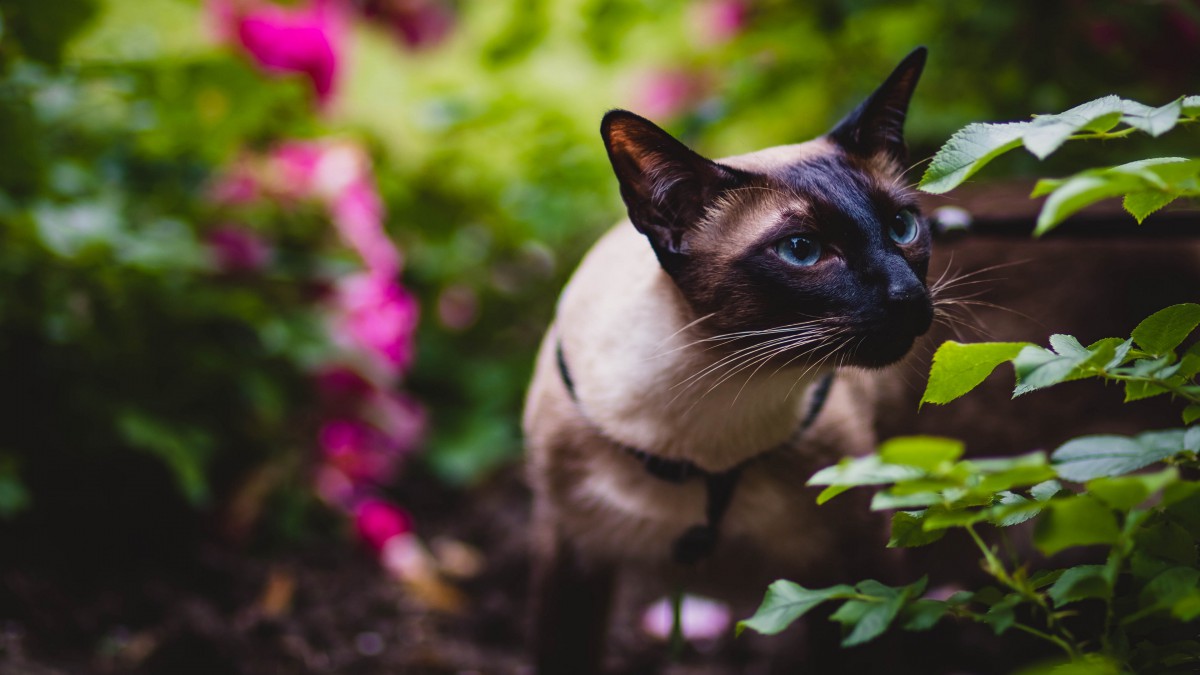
[{"x": 619, "y": 117}]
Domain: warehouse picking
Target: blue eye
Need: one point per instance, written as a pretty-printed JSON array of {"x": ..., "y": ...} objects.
[
  {"x": 799, "y": 251},
  {"x": 905, "y": 227}
]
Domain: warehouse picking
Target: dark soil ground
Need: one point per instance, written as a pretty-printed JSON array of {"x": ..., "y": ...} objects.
[{"x": 208, "y": 608}]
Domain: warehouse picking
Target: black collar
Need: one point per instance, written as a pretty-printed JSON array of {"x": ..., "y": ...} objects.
[{"x": 698, "y": 541}]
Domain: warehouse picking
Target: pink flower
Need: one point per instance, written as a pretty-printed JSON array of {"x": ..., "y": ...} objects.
[
  {"x": 379, "y": 521},
  {"x": 400, "y": 418},
  {"x": 667, "y": 93},
  {"x": 236, "y": 249},
  {"x": 306, "y": 40},
  {"x": 702, "y": 619},
  {"x": 359, "y": 451},
  {"x": 719, "y": 21},
  {"x": 376, "y": 316},
  {"x": 342, "y": 386},
  {"x": 357, "y": 213}
]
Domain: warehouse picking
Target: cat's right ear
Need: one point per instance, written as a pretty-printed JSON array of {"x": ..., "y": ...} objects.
[{"x": 666, "y": 186}]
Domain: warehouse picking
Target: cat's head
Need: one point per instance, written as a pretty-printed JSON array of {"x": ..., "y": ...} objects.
[{"x": 819, "y": 243}]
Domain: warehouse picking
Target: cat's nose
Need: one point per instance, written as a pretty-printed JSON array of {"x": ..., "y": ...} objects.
[{"x": 905, "y": 291}]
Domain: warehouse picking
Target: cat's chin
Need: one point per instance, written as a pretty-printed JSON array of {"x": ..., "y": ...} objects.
[{"x": 881, "y": 352}]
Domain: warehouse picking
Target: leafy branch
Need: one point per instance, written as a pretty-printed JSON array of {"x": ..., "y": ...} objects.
[
  {"x": 1145, "y": 186},
  {"x": 1084, "y": 494}
]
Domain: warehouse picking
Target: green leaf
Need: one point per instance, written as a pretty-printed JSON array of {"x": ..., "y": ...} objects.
[
  {"x": 1163, "y": 330},
  {"x": 1165, "y": 590},
  {"x": 185, "y": 451},
  {"x": 1191, "y": 106},
  {"x": 1043, "y": 491},
  {"x": 1079, "y": 583},
  {"x": 923, "y": 614},
  {"x": 1047, "y": 132},
  {"x": 1191, "y": 439},
  {"x": 923, "y": 452},
  {"x": 1075, "y": 521},
  {"x": 1191, "y": 413},
  {"x": 869, "y": 470},
  {"x": 1141, "y": 204},
  {"x": 831, "y": 492},
  {"x": 886, "y": 499},
  {"x": 1038, "y": 368},
  {"x": 908, "y": 530},
  {"x": 1125, "y": 492},
  {"x": 1154, "y": 121},
  {"x": 1166, "y": 541},
  {"x": 968, "y": 151},
  {"x": 14, "y": 498},
  {"x": 785, "y": 602},
  {"x": 958, "y": 368},
  {"x": 1137, "y": 390},
  {"x": 1187, "y": 608},
  {"x": 871, "y": 618},
  {"x": 1088, "y": 187},
  {"x": 1001, "y": 616},
  {"x": 1013, "y": 509},
  {"x": 1087, "y": 457}
]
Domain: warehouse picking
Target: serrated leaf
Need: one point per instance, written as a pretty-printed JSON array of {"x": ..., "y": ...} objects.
[
  {"x": 1141, "y": 204},
  {"x": 1163, "y": 330},
  {"x": 923, "y": 452},
  {"x": 871, "y": 618},
  {"x": 1045, "y": 490},
  {"x": 1013, "y": 509},
  {"x": 1154, "y": 121},
  {"x": 1038, "y": 368},
  {"x": 1088, "y": 187},
  {"x": 1080, "y": 583},
  {"x": 908, "y": 530},
  {"x": 1088, "y": 457},
  {"x": 968, "y": 151},
  {"x": 958, "y": 368},
  {"x": 1048, "y": 132},
  {"x": 1137, "y": 390},
  {"x": 785, "y": 602},
  {"x": 1075, "y": 521}
]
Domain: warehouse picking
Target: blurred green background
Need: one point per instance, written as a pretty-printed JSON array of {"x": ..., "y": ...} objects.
[{"x": 120, "y": 340}]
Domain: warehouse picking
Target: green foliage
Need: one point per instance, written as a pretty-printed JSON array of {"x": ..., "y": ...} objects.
[
  {"x": 1147, "y": 363},
  {"x": 1146, "y": 185},
  {"x": 1086, "y": 495}
]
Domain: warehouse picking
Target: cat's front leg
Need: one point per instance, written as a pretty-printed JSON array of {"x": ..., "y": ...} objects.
[{"x": 571, "y": 600}]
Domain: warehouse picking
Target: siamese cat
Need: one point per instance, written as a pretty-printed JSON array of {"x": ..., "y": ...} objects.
[{"x": 709, "y": 355}]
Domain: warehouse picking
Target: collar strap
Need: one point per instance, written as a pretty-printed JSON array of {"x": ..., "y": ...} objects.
[{"x": 698, "y": 541}]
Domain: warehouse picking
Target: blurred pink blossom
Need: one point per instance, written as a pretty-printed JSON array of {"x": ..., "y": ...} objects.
[
  {"x": 378, "y": 521},
  {"x": 359, "y": 451},
  {"x": 702, "y": 619},
  {"x": 340, "y": 386},
  {"x": 334, "y": 486},
  {"x": 305, "y": 40},
  {"x": 719, "y": 21},
  {"x": 376, "y": 316},
  {"x": 237, "y": 249},
  {"x": 358, "y": 215},
  {"x": 667, "y": 93},
  {"x": 401, "y": 418}
]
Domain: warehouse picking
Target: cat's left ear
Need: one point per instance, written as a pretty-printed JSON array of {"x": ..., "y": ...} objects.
[{"x": 877, "y": 124}]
